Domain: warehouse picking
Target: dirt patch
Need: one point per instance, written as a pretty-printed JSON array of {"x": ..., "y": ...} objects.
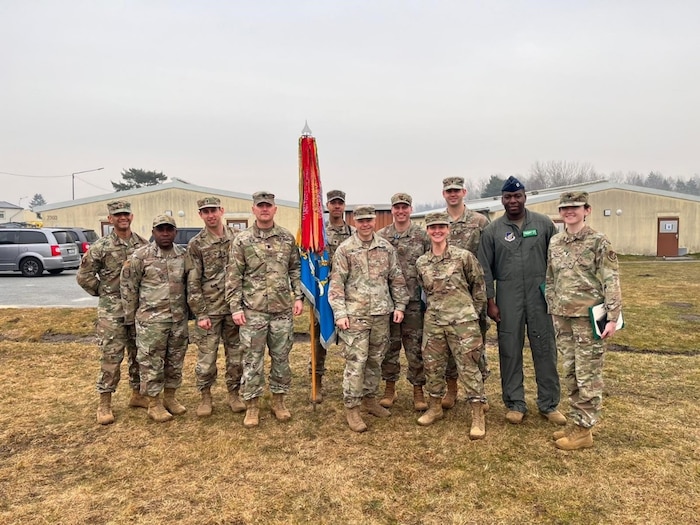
[
  {"x": 680, "y": 305},
  {"x": 612, "y": 347},
  {"x": 68, "y": 338},
  {"x": 691, "y": 317}
]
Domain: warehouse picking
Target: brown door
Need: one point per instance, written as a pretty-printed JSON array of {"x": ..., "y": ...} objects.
[{"x": 667, "y": 237}]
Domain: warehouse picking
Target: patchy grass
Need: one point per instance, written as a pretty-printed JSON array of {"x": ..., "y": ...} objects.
[{"x": 58, "y": 466}]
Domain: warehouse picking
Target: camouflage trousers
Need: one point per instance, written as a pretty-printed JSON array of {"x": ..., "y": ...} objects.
[
  {"x": 223, "y": 330},
  {"x": 277, "y": 332},
  {"x": 161, "y": 355},
  {"x": 114, "y": 338},
  {"x": 582, "y": 357},
  {"x": 363, "y": 346},
  {"x": 463, "y": 342},
  {"x": 484, "y": 325},
  {"x": 410, "y": 334}
]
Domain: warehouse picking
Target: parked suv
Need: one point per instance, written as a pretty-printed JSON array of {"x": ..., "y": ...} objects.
[
  {"x": 33, "y": 250},
  {"x": 183, "y": 236},
  {"x": 82, "y": 237}
]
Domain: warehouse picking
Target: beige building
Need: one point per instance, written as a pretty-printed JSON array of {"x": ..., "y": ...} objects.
[
  {"x": 176, "y": 198},
  {"x": 637, "y": 220}
]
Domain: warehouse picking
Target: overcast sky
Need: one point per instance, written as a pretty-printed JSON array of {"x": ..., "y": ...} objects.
[{"x": 399, "y": 94}]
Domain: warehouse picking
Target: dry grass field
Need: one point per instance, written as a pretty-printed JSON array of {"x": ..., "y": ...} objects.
[{"x": 58, "y": 466}]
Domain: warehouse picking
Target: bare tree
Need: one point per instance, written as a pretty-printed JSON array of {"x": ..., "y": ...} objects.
[{"x": 556, "y": 173}]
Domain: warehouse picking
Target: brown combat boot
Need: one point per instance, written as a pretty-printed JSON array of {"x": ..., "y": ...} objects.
[
  {"x": 318, "y": 381},
  {"x": 419, "y": 403},
  {"x": 355, "y": 419},
  {"x": 156, "y": 410},
  {"x": 252, "y": 412},
  {"x": 561, "y": 433},
  {"x": 137, "y": 400},
  {"x": 278, "y": 409},
  {"x": 555, "y": 417},
  {"x": 205, "y": 407},
  {"x": 104, "y": 409},
  {"x": 235, "y": 402},
  {"x": 171, "y": 403},
  {"x": 579, "y": 437},
  {"x": 390, "y": 395},
  {"x": 478, "y": 430},
  {"x": 373, "y": 407},
  {"x": 451, "y": 396},
  {"x": 433, "y": 414}
]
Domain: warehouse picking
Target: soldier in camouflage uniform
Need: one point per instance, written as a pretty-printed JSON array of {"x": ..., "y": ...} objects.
[
  {"x": 582, "y": 271},
  {"x": 263, "y": 289},
  {"x": 465, "y": 232},
  {"x": 513, "y": 253},
  {"x": 366, "y": 287},
  {"x": 410, "y": 242},
  {"x": 455, "y": 291},
  {"x": 99, "y": 275},
  {"x": 153, "y": 291},
  {"x": 337, "y": 231},
  {"x": 206, "y": 260}
]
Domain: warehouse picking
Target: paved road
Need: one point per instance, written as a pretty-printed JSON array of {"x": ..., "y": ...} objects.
[{"x": 48, "y": 290}]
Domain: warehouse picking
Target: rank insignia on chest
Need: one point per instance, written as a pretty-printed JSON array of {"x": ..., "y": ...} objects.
[
  {"x": 530, "y": 233},
  {"x": 510, "y": 237}
]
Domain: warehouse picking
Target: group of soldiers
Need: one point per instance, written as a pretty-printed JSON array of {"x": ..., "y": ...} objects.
[{"x": 429, "y": 290}]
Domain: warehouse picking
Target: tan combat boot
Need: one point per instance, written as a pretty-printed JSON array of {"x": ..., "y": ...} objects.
[
  {"x": 318, "y": 381},
  {"x": 555, "y": 417},
  {"x": 137, "y": 400},
  {"x": 278, "y": 409},
  {"x": 451, "y": 397},
  {"x": 478, "y": 430},
  {"x": 235, "y": 402},
  {"x": 104, "y": 409},
  {"x": 579, "y": 437},
  {"x": 251, "y": 418},
  {"x": 156, "y": 410},
  {"x": 373, "y": 407},
  {"x": 171, "y": 403},
  {"x": 433, "y": 414},
  {"x": 419, "y": 403},
  {"x": 355, "y": 419},
  {"x": 390, "y": 395},
  {"x": 205, "y": 407},
  {"x": 561, "y": 433}
]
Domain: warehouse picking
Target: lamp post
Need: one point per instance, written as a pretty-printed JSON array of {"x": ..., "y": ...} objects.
[{"x": 72, "y": 177}]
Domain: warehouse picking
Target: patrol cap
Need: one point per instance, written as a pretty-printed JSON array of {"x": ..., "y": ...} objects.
[
  {"x": 115, "y": 207},
  {"x": 364, "y": 212},
  {"x": 209, "y": 202},
  {"x": 401, "y": 198},
  {"x": 573, "y": 198},
  {"x": 512, "y": 184},
  {"x": 437, "y": 217},
  {"x": 335, "y": 194},
  {"x": 453, "y": 183},
  {"x": 264, "y": 196},
  {"x": 164, "y": 219}
]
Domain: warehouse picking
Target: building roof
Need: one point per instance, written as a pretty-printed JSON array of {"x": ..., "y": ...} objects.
[
  {"x": 173, "y": 184},
  {"x": 493, "y": 204},
  {"x": 9, "y": 206}
]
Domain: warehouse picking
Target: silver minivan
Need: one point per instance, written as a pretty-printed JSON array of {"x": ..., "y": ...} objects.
[{"x": 33, "y": 250}]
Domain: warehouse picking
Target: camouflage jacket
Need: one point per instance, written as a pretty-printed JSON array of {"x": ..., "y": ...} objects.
[
  {"x": 465, "y": 232},
  {"x": 409, "y": 245},
  {"x": 454, "y": 286},
  {"x": 153, "y": 285},
  {"x": 101, "y": 268},
  {"x": 366, "y": 280},
  {"x": 206, "y": 260},
  {"x": 264, "y": 271},
  {"x": 582, "y": 271},
  {"x": 335, "y": 236}
]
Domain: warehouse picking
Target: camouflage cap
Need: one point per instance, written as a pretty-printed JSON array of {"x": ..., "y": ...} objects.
[
  {"x": 335, "y": 194},
  {"x": 573, "y": 198},
  {"x": 164, "y": 219},
  {"x": 118, "y": 207},
  {"x": 437, "y": 217},
  {"x": 364, "y": 212},
  {"x": 401, "y": 198},
  {"x": 453, "y": 183},
  {"x": 264, "y": 196},
  {"x": 209, "y": 202}
]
